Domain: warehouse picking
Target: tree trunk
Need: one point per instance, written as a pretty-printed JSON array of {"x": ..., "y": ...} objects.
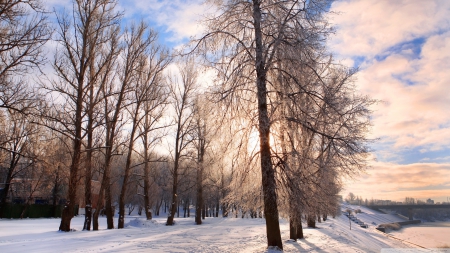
[
  {"x": 292, "y": 230},
  {"x": 224, "y": 210},
  {"x": 123, "y": 192},
  {"x": 217, "y": 209},
  {"x": 99, "y": 207},
  {"x": 311, "y": 221},
  {"x": 267, "y": 172},
  {"x": 148, "y": 213},
  {"x": 298, "y": 227},
  {"x": 173, "y": 205},
  {"x": 68, "y": 211},
  {"x": 199, "y": 204},
  {"x": 189, "y": 210}
]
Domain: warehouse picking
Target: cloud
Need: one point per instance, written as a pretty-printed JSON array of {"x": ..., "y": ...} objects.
[
  {"x": 415, "y": 114},
  {"x": 403, "y": 49},
  {"x": 368, "y": 27},
  {"x": 179, "y": 19},
  {"x": 395, "y": 181}
]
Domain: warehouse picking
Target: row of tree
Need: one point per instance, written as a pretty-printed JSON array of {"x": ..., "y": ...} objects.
[{"x": 271, "y": 136}]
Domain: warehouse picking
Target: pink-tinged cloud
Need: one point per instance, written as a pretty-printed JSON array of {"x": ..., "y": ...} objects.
[
  {"x": 413, "y": 87},
  {"x": 395, "y": 182},
  {"x": 368, "y": 27},
  {"x": 412, "y": 115}
]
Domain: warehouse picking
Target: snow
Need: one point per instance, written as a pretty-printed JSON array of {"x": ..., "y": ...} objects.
[{"x": 214, "y": 235}]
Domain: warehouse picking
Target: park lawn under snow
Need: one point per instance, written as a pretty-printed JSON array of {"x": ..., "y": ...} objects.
[{"x": 215, "y": 235}]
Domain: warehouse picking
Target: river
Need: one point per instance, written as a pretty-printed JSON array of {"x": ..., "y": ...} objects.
[{"x": 426, "y": 234}]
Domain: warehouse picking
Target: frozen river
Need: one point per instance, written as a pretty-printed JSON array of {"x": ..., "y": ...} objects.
[{"x": 427, "y": 234}]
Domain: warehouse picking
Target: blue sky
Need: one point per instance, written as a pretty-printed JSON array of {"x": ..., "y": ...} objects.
[{"x": 403, "y": 51}]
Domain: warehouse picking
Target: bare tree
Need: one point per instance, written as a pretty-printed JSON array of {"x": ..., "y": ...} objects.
[
  {"x": 182, "y": 94},
  {"x": 144, "y": 77},
  {"x": 23, "y": 32},
  {"x": 15, "y": 135},
  {"x": 81, "y": 38},
  {"x": 151, "y": 75}
]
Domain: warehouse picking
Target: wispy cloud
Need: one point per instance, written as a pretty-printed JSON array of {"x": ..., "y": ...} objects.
[
  {"x": 403, "y": 51},
  {"x": 395, "y": 181},
  {"x": 177, "y": 19},
  {"x": 405, "y": 47}
]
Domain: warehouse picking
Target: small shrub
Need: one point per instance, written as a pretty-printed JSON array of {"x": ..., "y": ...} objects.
[{"x": 390, "y": 226}]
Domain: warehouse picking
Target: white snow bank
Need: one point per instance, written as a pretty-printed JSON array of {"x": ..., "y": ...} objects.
[{"x": 141, "y": 223}]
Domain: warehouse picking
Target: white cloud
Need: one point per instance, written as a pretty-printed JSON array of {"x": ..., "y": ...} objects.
[
  {"x": 177, "y": 17},
  {"x": 413, "y": 85},
  {"x": 368, "y": 27},
  {"x": 412, "y": 115}
]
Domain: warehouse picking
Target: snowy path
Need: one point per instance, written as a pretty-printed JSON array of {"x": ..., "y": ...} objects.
[{"x": 215, "y": 235}]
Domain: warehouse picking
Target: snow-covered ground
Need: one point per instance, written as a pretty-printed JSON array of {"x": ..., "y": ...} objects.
[{"x": 215, "y": 235}]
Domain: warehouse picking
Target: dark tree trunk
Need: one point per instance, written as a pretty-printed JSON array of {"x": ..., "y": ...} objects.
[
  {"x": 148, "y": 213},
  {"x": 98, "y": 209},
  {"x": 298, "y": 227},
  {"x": 173, "y": 205},
  {"x": 68, "y": 211},
  {"x": 199, "y": 203},
  {"x": 267, "y": 171},
  {"x": 87, "y": 185},
  {"x": 217, "y": 209},
  {"x": 292, "y": 230},
  {"x": 108, "y": 201},
  {"x": 224, "y": 210},
  {"x": 188, "y": 210},
  {"x": 311, "y": 221},
  {"x": 203, "y": 211},
  {"x": 123, "y": 192}
]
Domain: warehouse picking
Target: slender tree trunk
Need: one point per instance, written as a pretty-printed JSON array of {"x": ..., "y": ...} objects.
[
  {"x": 267, "y": 171},
  {"x": 189, "y": 210},
  {"x": 88, "y": 171},
  {"x": 68, "y": 211},
  {"x": 224, "y": 210},
  {"x": 121, "y": 221},
  {"x": 148, "y": 213},
  {"x": 217, "y": 209},
  {"x": 173, "y": 205},
  {"x": 97, "y": 210},
  {"x": 199, "y": 203}
]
